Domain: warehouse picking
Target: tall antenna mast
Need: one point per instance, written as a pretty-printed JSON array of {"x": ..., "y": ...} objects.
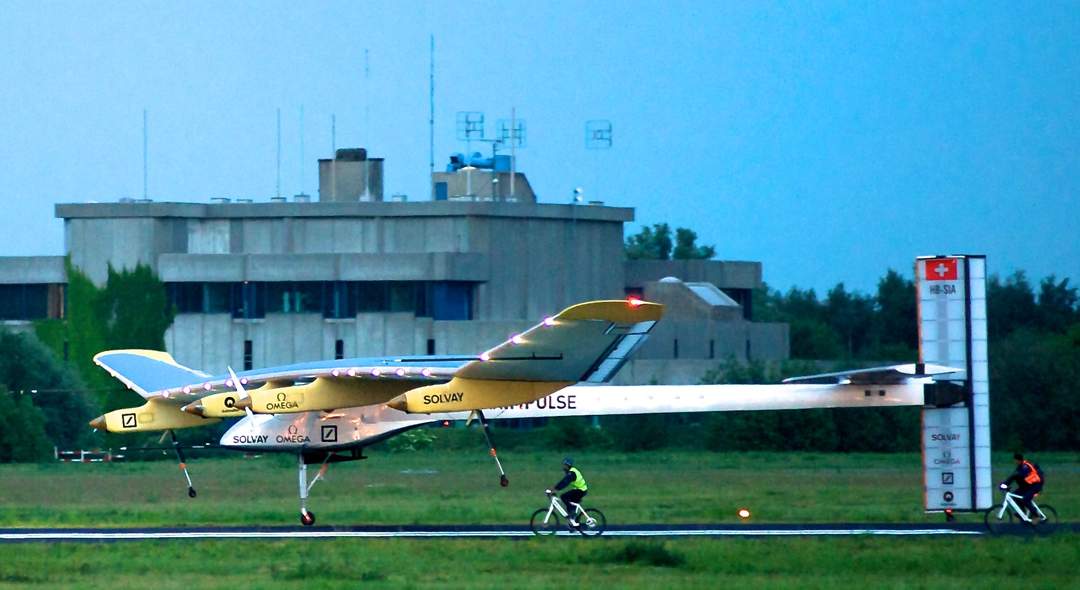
[
  {"x": 278, "y": 193},
  {"x": 431, "y": 120},
  {"x": 367, "y": 97},
  {"x": 303, "y": 180},
  {"x": 333, "y": 133},
  {"x": 145, "y": 156}
]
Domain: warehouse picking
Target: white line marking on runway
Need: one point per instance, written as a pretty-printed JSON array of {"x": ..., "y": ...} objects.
[{"x": 301, "y": 534}]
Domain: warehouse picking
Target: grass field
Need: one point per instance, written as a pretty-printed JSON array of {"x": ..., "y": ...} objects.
[{"x": 441, "y": 487}]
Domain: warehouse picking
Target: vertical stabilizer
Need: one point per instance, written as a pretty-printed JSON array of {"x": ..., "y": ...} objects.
[{"x": 956, "y": 418}]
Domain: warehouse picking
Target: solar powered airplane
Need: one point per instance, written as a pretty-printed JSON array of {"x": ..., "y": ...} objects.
[{"x": 328, "y": 411}]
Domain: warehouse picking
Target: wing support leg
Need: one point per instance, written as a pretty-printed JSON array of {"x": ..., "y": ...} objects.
[
  {"x": 479, "y": 414},
  {"x": 183, "y": 464}
]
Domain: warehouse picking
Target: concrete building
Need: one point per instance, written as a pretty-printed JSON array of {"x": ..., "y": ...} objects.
[{"x": 265, "y": 283}]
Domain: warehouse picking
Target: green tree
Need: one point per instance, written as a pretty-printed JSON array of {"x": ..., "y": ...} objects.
[
  {"x": 27, "y": 366},
  {"x": 650, "y": 243},
  {"x": 851, "y": 316},
  {"x": 131, "y": 311},
  {"x": 1057, "y": 307},
  {"x": 686, "y": 247},
  {"x": 134, "y": 309},
  {"x": 22, "y": 430},
  {"x": 1010, "y": 305},
  {"x": 896, "y": 332}
]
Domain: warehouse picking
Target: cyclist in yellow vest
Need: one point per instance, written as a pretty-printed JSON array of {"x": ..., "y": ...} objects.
[
  {"x": 1029, "y": 481},
  {"x": 576, "y": 482}
]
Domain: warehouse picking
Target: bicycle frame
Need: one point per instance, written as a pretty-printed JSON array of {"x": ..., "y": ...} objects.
[
  {"x": 1010, "y": 502},
  {"x": 558, "y": 506}
]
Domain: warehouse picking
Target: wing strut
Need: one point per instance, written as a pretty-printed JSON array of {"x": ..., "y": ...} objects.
[
  {"x": 479, "y": 414},
  {"x": 183, "y": 464}
]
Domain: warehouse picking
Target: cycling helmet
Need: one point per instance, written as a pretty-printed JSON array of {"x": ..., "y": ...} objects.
[{"x": 569, "y": 462}]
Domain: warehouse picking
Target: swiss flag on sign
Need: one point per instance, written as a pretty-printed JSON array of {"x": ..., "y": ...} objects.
[{"x": 941, "y": 269}]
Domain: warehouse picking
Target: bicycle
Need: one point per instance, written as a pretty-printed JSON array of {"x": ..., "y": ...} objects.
[
  {"x": 1010, "y": 514},
  {"x": 545, "y": 521}
]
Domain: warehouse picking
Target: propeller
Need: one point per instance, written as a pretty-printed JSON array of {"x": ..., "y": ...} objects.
[{"x": 241, "y": 394}]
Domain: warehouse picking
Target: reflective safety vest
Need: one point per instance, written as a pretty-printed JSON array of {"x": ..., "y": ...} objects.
[
  {"x": 1033, "y": 474},
  {"x": 579, "y": 481}
]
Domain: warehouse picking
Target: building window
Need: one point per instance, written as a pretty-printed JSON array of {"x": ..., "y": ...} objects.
[
  {"x": 441, "y": 300},
  {"x": 299, "y": 297},
  {"x": 339, "y": 349},
  {"x": 248, "y": 355},
  {"x": 248, "y": 300},
  {"x": 26, "y": 302},
  {"x": 712, "y": 349},
  {"x": 431, "y": 346},
  {"x": 675, "y": 348}
]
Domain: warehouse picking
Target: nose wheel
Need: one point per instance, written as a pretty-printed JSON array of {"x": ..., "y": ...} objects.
[{"x": 307, "y": 518}]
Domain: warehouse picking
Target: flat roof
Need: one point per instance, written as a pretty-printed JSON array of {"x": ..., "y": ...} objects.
[{"x": 453, "y": 208}]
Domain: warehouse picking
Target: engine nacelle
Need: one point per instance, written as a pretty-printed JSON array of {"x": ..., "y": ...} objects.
[
  {"x": 155, "y": 415},
  {"x": 462, "y": 394},
  {"x": 322, "y": 394}
]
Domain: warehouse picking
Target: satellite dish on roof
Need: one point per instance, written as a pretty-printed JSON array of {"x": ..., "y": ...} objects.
[{"x": 670, "y": 280}]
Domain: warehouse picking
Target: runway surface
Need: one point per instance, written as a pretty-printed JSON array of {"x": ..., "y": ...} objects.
[{"x": 477, "y": 532}]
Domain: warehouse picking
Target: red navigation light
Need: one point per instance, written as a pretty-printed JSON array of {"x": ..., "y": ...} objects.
[{"x": 634, "y": 301}]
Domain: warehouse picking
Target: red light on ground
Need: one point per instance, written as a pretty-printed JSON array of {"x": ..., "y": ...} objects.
[
  {"x": 446, "y": 424},
  {"x": 634, "y": 301},
  {"x": 744, "y": 513}
]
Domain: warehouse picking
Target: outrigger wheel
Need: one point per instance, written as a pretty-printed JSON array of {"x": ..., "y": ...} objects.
[
  {"x": 307, "y": 518},
  {"x": 191, "y": 492}
]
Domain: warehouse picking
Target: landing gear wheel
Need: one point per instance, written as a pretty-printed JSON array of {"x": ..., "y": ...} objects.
[
  {"x": 191, "y": 492},
  {"x": 504, "y": 481},
  {"x": 307, "y": 518},
  {"x": 539, "y": 527}
]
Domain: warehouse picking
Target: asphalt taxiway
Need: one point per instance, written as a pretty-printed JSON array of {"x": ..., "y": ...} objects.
[{"x": 53, "y": 535}]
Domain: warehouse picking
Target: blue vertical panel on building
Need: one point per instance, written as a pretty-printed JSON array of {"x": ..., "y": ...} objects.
[
  {"x": 451, "y": 301},
  {"x": 440, "y": 191}
]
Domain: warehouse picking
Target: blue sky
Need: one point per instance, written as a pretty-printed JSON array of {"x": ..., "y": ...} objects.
[{"x": 830, "y": 141}]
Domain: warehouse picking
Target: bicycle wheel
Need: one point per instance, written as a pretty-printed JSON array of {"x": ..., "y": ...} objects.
[
  {"x": 997, "y": 525},
  {"x": 597, "y": 520},
  {"x": 543, "y": 527},
  {"x": 1048, "y": 524}
]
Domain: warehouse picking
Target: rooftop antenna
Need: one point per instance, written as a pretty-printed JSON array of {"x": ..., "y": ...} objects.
[
  {"x": 333, "y": 161},
  {"x": 470, "y": 128},
  {"x": 145, "y": 154},
  {"x": 431, "y": 118},
  {"x": 303, "y": 180},
  {"x": 367, "y": 96},
  {"x": 278, "y": 193},
  {"x": 598, "y": 136},
  {"x": 512, "y": 133}
]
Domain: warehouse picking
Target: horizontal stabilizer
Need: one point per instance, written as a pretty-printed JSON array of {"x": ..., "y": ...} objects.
[
  {"x": 146, "y": 371},
  {"x": 585, "y": 342},
  {"x": 877, "y": 375}
]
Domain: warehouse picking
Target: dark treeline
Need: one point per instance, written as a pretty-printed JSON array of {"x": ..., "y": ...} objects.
[{"x": 1034, "y": 372}]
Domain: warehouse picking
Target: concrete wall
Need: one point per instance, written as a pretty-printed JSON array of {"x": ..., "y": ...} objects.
[{"x": 211, "y": 342}]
